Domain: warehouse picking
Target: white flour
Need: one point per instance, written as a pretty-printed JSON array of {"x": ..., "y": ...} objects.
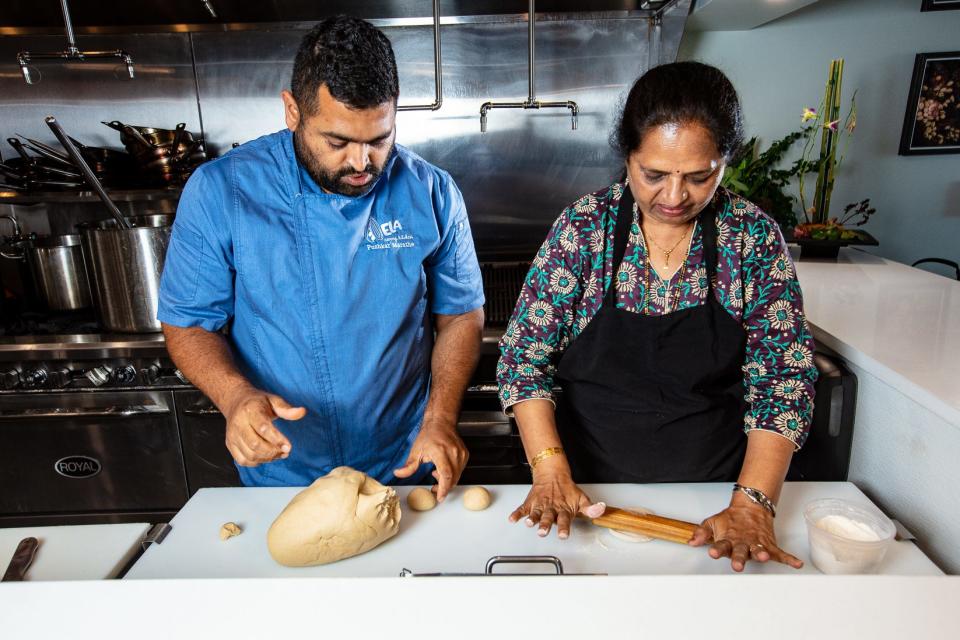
[{"x": 848, "y": 528}]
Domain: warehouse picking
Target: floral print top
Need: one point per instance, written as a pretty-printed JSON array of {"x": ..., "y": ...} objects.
[{"x": 755, "y": 283}]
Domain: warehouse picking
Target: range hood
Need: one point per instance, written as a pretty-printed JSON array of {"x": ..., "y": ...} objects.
[{"x": 42, "y": 16}]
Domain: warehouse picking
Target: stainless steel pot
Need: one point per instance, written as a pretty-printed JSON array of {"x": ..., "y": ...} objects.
[
  {"x": 124, "y": 267},
  {"x": 57, "y": 266}
]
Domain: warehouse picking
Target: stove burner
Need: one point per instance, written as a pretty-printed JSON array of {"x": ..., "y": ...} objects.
[{"x": 30, "y": 323}]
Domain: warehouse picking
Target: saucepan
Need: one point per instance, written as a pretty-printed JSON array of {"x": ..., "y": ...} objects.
[
  {"x": 166, "y": 154},
  {"x": 125, "y": 267},
  {"x": 56, "y": 266}
]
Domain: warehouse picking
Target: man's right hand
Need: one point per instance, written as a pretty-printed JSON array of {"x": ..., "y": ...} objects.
[{"x": 252, "y": 438}]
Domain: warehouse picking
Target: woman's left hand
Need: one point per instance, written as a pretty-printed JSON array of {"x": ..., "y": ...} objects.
[{"x": 742, "y": 532}]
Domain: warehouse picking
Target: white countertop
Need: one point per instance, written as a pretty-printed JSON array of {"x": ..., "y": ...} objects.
[
  {"x": 80, "y": 552},
  {"x": 899, "y": 323},
  {"x": 741, "y": 607},
  {"x": 451, "y": 539}
]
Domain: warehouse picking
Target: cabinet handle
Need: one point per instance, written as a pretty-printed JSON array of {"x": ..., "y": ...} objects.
[{"x": 84, "y": 412}]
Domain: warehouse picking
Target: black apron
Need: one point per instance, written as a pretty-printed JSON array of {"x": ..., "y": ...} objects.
[{"x": 655, "y": 398}]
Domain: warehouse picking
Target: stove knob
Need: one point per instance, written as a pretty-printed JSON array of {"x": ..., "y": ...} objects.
[
  {"x": 151, "y": 374},
  {"x": 98, "y": 376},
  {"x": 10, "y": 379},
  {"x": 182, "y": 378},
  {"x": 61, "y": 378},
  {"x": 35, "y": 378},
  {"x": 125, "y": 374}
]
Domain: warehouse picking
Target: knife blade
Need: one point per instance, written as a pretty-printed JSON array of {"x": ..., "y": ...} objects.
[{"x": 21, "y": 561}]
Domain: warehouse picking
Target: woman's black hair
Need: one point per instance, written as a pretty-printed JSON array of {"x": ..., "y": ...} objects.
[
  {"x": 681, "y": 92},
  {"x": 352, "y": 57}
]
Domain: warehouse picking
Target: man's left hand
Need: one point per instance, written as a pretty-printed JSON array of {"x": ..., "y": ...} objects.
[{"x": 438, "y": 443}]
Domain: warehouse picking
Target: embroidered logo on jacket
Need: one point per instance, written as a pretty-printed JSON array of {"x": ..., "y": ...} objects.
[{"x": 387, "y": 235}]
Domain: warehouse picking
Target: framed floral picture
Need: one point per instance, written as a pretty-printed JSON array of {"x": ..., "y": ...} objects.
[
  {"x": 939, "y": 5},
  {"x": 932, "y": 122}
]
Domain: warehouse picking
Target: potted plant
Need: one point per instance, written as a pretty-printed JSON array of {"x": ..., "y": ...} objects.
[{"x": 756, "y": 177}]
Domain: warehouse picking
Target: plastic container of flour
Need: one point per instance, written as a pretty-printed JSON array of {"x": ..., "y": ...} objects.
[{"x": 846, "y": 538}]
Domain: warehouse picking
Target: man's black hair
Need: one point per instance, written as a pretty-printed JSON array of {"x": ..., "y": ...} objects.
[
  {"x": 352, "y": 57},
  {"x": 681, "y": 92}
]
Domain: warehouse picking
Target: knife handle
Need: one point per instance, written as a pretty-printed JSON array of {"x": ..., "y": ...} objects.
[{"x": 21, "y": 561}]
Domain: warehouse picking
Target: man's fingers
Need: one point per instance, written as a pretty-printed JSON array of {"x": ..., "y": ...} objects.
[
  {"x": 409, "y": 467},
  {"x": 269, "y": 432},
  {"x": 283, "y": 409},
  {"x": 261, "y": 452},
  {"x": 443, "y": 474},
  {"x": 242, "y": 453}
]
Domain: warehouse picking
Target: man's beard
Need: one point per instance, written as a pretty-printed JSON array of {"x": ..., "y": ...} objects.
[{"x": 333, "y": 182}]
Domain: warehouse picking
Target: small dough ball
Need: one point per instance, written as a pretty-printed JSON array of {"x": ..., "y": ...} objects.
[
  {"x": 476, "y": 499},
  {"x": 229, "y": 530},
  {"x": 421, "y": 499}
]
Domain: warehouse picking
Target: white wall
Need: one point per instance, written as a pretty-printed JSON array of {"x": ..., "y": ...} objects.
[
  {"x": 905, "y": 458},
  {"x": 781, "y": 67}
]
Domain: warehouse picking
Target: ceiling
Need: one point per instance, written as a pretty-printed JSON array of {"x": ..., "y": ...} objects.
[
  {"x": 46, "y": 14},
  {"x": 739, "y": 15}
]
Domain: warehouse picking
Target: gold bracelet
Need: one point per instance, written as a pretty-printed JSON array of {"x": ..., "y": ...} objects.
[{"x": 543, "y": 455}]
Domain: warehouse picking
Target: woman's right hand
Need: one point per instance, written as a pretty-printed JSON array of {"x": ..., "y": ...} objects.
[{"x": 555, "y": 498}]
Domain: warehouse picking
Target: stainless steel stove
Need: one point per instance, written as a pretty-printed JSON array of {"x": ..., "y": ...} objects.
[
  {"x": 90, "y": 430},
  {"x": 104, "y": 428}
]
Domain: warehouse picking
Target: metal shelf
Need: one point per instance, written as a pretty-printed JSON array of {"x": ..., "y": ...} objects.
[{"x": 119, "y": 195}]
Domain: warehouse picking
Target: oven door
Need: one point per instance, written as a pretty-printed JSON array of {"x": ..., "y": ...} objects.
[
  {"x": 66, "y": 456},
  {"x": 203, "y": 430}
]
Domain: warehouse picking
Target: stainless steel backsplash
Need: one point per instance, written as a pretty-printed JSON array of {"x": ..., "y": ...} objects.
[{"x": 516, "y": 177}]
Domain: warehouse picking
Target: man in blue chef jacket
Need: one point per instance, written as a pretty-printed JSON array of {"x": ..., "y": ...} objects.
[{"x": 334, "y": 255}]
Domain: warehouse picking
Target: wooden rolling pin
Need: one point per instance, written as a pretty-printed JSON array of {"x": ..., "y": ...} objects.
[{"x": 647, "y": 524}]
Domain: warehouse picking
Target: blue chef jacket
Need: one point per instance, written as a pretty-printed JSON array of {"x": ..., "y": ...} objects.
[{"x": 328, "y": 297}]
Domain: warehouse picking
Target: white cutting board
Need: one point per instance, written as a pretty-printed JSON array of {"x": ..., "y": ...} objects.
[
  {"x": 81, "y": 552},
  {"x": 451, "y": 539}
]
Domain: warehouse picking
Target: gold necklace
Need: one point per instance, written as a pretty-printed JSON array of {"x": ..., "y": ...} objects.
[
  {"x": 669, "y": 305},
  {"x": 667, "y": 252}
]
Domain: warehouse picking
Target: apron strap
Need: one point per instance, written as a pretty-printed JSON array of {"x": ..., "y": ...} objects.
[
  {"x": 708, "y": 226},
  {"x": 622, "y": 234},
  {"x": 620, "y": 237}
]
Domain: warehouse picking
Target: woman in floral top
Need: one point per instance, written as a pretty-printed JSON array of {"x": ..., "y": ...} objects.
[{"x": 669, "y": 313}]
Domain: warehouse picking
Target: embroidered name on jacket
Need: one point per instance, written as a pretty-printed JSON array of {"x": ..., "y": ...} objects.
[{"x": 387, "y": 235}]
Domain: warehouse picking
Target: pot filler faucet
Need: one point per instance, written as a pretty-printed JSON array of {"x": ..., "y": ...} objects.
[
  {"x": 531, "y": 102},
  {"x": 71, "y": 52}
]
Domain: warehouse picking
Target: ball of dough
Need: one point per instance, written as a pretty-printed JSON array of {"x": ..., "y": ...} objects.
[
  {"x": 476, "y": 499},
  {"x": 229, "y": 530},
  {"x": 342, "y": 514},
  {"x": 421, "y": 499}
]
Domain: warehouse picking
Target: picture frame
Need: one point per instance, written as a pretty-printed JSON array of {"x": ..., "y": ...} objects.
[
  {"x": 939, "y": 5},
  {"x": 936, "y": 130}
]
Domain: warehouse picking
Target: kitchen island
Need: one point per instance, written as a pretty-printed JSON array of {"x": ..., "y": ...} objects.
[
  {"x": 193, "y": 584},
  {"x": 898, "y": 329}
]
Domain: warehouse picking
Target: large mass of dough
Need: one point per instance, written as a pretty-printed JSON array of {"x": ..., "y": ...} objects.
[{"x": 340, "y": 515}]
